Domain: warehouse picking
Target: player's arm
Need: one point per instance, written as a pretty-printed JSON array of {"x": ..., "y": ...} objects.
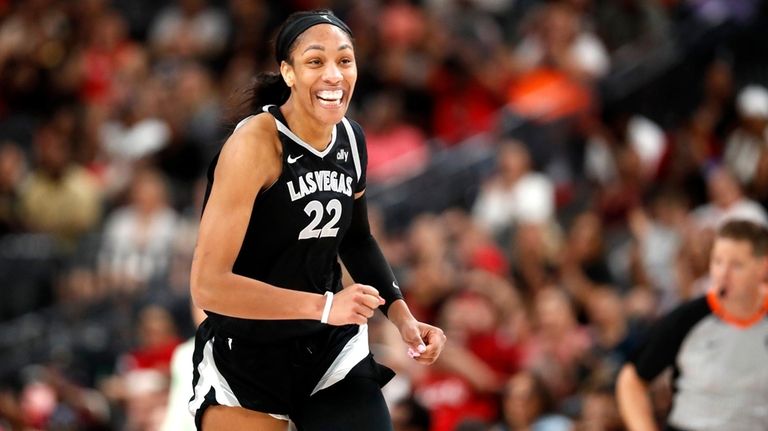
[
  {"x": 634, "y": 401},
  {"x": 249, "y": 162},
  {"x": 363, "y": 258},
  {"x": 366, "y": 264}
]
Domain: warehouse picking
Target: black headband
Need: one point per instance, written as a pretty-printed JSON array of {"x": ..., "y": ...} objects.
[{"x": 291, "y": 31}]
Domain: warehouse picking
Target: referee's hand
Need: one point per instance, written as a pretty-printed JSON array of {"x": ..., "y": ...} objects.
[{"x": 355, "y": 304}]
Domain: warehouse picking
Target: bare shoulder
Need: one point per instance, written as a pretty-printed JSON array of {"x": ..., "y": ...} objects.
[
  {"x": 256, "y": 135},
  {"x": 253, "y": 149}
]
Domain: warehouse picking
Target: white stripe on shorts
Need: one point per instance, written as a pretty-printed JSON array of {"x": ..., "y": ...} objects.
[
  {"x": 353, "y": 352},
  {"x": 211, "y": 378}
]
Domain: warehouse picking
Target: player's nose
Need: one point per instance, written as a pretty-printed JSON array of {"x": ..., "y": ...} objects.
[{"x": 332, "y": 74}]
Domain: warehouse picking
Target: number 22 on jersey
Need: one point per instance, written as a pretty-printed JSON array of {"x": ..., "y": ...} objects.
[{"x": 315, "y": 210}]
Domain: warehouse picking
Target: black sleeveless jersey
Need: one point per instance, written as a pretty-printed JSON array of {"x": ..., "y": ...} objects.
[{"x": 297, "y": 224}]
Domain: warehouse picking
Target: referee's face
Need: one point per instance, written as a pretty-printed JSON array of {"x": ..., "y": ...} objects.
[
  {"x": 323, "y": 74},
  {"x": 735, "y": 269}
]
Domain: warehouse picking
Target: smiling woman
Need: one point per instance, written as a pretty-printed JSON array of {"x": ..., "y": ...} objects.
[
  {"x": 284, "y": 340},
  {"x": 321, "y": 74}
]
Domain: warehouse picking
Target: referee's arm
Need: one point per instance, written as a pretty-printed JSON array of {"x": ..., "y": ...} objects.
[
  {"x": 634, "y": 402},
  {"x": 657, "y": 352}
]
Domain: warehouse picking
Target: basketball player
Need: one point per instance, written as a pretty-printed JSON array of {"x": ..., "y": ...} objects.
[
  {"x": 716, "y": 344},
  {"x": 286, "y": 195}
]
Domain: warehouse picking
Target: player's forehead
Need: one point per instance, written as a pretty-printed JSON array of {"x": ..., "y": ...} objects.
[{"x": 323, "y": 38}]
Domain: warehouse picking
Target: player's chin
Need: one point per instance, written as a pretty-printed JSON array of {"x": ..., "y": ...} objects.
[{"x": 331, "y": 115}]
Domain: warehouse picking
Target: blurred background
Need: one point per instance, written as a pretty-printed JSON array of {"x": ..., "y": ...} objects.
[{"x": 545, "y": 179}]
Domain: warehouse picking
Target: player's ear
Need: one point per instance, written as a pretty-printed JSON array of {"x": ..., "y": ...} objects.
[{"x": 289, "y": 76}]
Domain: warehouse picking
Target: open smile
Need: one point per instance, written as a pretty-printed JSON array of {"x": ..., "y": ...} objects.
[{"x": 330, "y": 98}]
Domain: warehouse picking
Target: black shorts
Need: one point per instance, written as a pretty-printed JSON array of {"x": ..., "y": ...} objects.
[{"x": 278, "y": 378}]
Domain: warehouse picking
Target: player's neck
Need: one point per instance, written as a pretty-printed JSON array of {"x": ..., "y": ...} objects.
[{"x": 304, "y": 126}]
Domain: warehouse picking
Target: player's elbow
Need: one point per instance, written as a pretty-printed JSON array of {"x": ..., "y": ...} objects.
[
  {"x": 197, "y": 290},
  {"x": 201, "y": 286}
]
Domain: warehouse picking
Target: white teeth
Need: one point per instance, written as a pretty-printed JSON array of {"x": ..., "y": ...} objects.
[{"x": 330, "y": 94}]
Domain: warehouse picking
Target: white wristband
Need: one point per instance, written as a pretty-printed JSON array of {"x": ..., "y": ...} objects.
[{"x": 327, "y": 308}]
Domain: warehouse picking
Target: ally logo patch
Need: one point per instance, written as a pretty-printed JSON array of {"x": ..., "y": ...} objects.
[{"x": 342, "y": 154}]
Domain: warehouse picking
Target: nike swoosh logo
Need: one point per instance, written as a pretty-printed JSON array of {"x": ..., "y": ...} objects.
[
  {"x": 292, "y": 160},
  {"x": 394, "y": 284}
]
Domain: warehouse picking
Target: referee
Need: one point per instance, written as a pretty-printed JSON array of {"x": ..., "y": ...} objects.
[{"x": 717, "y": 346}]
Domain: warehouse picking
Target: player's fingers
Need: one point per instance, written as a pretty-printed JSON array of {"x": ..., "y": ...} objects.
[
  {"x": 435, "y": 341},
  {"x": 370, "y": 301},
  {"x": 425, "y": 360},
  {"x": 436, "y": 338},
  {"x": 370, "y": 290},
  {"x": 423, "y": 351},
  {"x": 364, "y": 311},
  {"x": 429, "y": 356},
  {"x": 431, "y": 351},
  {"x": 415, "y": 352}
]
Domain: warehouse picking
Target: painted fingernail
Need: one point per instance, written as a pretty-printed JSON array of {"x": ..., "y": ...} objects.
[{"x": 422, "y": 348}]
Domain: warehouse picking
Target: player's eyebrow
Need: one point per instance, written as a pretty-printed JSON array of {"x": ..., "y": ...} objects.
[
  {"x": 322, "y": 48},
  {"x": 318, "y": 47}
]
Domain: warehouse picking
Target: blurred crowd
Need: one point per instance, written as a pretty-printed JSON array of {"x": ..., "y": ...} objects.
[{"x": 622, "y": 133}]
